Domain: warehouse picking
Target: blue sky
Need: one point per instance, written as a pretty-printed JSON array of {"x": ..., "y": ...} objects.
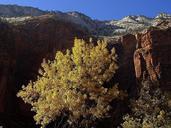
[{"x": 101, "y": 9}]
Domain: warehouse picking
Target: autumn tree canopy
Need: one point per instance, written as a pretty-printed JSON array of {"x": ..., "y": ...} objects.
[{"x": 73, "y": 81}]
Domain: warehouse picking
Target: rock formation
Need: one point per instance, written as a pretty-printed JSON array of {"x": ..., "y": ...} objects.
[{"x": 154, "y": 56}]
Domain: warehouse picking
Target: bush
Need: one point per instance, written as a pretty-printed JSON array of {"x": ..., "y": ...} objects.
[
  {"x": 73, "y": 83},
  {"x": 150, "y": 110}
]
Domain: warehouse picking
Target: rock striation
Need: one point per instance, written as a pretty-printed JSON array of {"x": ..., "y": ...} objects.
[{"x": 153, "y": 56}]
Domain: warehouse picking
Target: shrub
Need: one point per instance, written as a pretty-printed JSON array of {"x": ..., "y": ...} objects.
[
  {"x": 150, "y": 110},
  {"x": 73, "y": 82}
]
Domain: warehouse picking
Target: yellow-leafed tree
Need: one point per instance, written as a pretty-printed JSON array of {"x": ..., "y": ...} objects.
[{"x": 73, "y": 82}]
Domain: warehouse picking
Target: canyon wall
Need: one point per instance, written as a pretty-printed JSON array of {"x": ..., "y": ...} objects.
[{"x": 153, "y": 56}]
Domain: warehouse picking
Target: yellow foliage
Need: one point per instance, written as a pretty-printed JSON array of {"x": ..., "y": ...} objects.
[{"x": 71, "y": 81}]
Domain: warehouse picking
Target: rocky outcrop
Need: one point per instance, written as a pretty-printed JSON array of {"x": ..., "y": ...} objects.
[
  {"x": 146, "y": 54},
  {"x": 153, "y": 56}
]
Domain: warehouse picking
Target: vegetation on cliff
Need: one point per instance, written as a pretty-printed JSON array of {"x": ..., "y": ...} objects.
[{"x": 150, "y": 110}]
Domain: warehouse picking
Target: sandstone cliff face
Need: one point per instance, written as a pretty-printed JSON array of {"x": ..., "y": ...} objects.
[
  {"x": 143, "y": 55},
  {"x": 154, "y": 56}
]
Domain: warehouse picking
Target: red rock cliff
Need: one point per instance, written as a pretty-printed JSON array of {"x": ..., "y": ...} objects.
[{"x": 154, "y": 56}]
